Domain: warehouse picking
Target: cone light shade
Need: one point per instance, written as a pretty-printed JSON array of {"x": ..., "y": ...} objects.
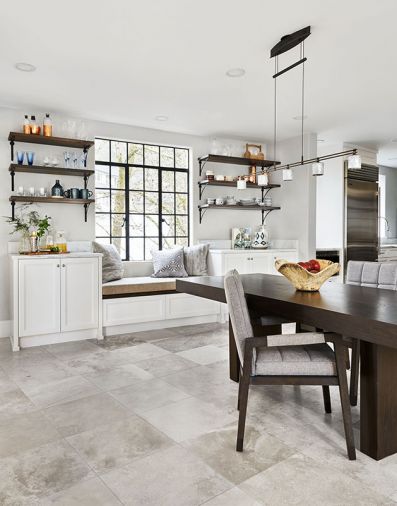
[
  {"x": 241, "y": 184},
  {"x": 354, "y": 162},
  {"x": 317, "y": 168},
  {"x": 263, "y": 179},
  {"x": 287, "y": 175}
]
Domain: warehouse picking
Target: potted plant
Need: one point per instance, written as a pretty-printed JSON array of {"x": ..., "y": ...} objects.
[{"x": 28, "y": 224}]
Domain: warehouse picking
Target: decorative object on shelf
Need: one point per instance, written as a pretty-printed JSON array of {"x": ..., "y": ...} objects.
[
  {"x": 26, "y": 125},
  {"x": 42, "y": 192},
  {"x": 219, "y": 201},
  {"x": 230, "y": 200},
  {"x": 241, "y": 183},
  {"x": 304, "y": 280},
  {"x": 85, "y": 193},
  {"x": 209, "y": 174},
  {"x": 47, "y": 126},
  {"x": 238, "y": 238},
  {"x": 288, "y": 42},
  {"x": 261, "y": 240},
  {"x": 60, "y": 241},
  {"x": 32, "y": 228},
  {"x": 210, "y": 201},
  {"x": 72, "y": 193},
  {"x": 57, "y": 189},
  {"x": 20, "y": 157},
  {"x": 262, "y": 179},
  {"x": 34, "y": 242},
  {"x": 252, "y": 174},
  {"x": 31, "y": 192},
  {"x": 219, "y": 177},
  {"x": 254, "y": 152},
  {"x": 34, "y": 127},
  {"x": 247, "y": 238},
  {"x": 30, "y": 157}
]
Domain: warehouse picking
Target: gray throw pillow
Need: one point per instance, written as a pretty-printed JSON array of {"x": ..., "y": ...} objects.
[
  {"x": 196, "y": 259},
  {"x": 168, "y": 263},
  {"x": 112, "y": 266}
]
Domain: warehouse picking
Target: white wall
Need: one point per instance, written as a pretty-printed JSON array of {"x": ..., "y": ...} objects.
[
  {"x": 296, "y": 220},
  {"x": 390, "y": 199}
]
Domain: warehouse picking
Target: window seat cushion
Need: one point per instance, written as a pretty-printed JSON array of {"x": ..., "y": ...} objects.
[{"x": 138, "y": 285}]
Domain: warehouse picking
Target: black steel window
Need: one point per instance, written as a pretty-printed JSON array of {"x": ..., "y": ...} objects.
[{"x": 142, "y": 197}]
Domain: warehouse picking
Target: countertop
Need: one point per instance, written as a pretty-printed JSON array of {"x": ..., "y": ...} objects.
[{"x": 80, "y": 254}]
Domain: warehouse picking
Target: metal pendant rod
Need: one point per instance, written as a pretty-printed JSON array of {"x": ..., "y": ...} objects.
[
  {"x": 312, "y": 160},
  {"x": 289, "y": 68}
]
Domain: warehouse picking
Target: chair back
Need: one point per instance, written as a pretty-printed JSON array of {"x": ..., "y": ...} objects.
[
  {"x": 372, "y": 274},
  {"x": 238, "y": 310}
]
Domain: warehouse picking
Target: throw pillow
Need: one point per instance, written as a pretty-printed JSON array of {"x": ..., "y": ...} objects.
[
  {"x": 112, "y": 266},
  {"x": 196, "y": 259},
  {"x": 168, "y": 263}
]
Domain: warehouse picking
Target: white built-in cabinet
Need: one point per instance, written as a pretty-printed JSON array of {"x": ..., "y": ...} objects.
[
  {"x": 55, "y": 299},
  {"x": 248, "y": 261}
]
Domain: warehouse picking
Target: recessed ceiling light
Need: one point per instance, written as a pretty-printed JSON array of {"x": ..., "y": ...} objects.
[
  {"x": 393, "y": 140},
  {"x": 25, "y": 67},
  {"x": 235, "y": 72},
  {"x": 299, "y": 118},
  {"x": 161, "y": 117}
]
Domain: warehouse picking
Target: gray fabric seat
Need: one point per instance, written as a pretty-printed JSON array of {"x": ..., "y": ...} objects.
[
  {"x": 372, "y": 274},
  {"x": 310, "y": 360}
]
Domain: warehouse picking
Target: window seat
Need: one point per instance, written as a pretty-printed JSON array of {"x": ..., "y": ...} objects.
[{"x": 137, "y": 285}]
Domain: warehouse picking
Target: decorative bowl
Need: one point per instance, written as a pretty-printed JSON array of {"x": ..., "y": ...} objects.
[{"x": 304, "y": 280}]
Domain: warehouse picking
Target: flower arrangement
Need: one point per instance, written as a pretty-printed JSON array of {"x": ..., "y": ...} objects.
[{"x": 29, "y": 223}]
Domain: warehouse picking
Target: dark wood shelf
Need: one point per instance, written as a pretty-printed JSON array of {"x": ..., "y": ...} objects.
[
  {"x": 50, "y": 200},
  {"x": 236, "y": 160},
  {"x": 239, "y": 207},
  {"x": 43, "y": 169},
  {"x": 205, "y": 182},
  {"x": 51, "y": 141}
]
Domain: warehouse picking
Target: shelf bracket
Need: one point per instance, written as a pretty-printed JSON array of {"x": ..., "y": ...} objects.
[
  {"x": 202, "y": 165},
  {"x": 202, "y": 213},
  {"x": 264, "y": 216},
  {"x": 12, "y": 180},
  {"x": 85, "y": 180},
  {"x": 86, "y": 212},
  {"x": 85, "y": 151},
  {"x": 12, "y": 150},
  {"x": 202, "y": 188},
  {"x": 13, "y": 210}
]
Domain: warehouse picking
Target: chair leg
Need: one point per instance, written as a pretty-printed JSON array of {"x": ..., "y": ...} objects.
[
  {"x": 344, "y": 398},
  {"x": 354, "y": 375},
  {"x": 347, "y": 358},
  {"x": 327, "y": 399},
  {"x": 243, "y": 400}
]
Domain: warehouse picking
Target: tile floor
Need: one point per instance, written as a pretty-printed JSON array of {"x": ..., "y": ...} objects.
[{"x": 150, "y": 419}]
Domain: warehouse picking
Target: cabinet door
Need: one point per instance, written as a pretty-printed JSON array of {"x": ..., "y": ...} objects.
[
  {"x": 39, "y": 296},
  {"x": 238, "y": 261},
  {"x": 259, "y": 263},
  {"x": 79, "y": 294}
]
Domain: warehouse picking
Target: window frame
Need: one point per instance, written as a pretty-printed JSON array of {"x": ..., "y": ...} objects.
[{"x": 128, "y": 191}]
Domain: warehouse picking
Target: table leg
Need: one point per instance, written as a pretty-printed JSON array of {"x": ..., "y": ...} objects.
[
  {"x": 234, "y": 361},
  {"x": 378, "y": 400}
]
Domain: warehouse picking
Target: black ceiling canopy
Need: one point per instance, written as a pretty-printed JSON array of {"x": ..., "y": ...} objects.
[{"x": 287, "y": 42}]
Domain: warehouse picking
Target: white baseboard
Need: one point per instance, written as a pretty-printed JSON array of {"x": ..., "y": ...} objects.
[
  {"x": 159, "y": 324},
  {"x": 5, "y": 328}
]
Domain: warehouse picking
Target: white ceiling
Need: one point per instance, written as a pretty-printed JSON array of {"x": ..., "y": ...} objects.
[{"x": 128, "y": 61}]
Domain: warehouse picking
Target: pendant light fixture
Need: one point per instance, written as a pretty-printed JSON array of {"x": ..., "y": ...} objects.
[{"x": 288, "y": 42}]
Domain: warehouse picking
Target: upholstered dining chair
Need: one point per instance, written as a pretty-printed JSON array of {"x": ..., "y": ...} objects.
[
  {"x": 373, "y": 275},
  {"x": 288, "y": 359}
]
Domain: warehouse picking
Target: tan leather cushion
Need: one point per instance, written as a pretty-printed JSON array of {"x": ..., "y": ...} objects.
[{"x": 138, "y": 285}]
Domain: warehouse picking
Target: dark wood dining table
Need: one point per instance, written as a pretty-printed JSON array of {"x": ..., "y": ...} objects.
[{"x": 363, "y": 313}]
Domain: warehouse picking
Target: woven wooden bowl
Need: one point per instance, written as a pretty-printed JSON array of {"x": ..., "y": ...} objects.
[{"x": 304, "y": 280}]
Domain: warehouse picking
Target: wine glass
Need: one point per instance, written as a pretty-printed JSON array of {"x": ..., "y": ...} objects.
[
  {"x": 66, "y": 156},
  {"x": 75, "y": 158}
]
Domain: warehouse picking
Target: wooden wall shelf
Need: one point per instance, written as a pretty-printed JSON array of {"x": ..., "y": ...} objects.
[
  {"x": 43, "y": 169},
  {"x": 234, "y": 160},
  {"x": 50, "y": 141},
  {"x": 203, "y": 208},
  {"x": 233, "y": 184},
  {"x": 50, "y": 200}
]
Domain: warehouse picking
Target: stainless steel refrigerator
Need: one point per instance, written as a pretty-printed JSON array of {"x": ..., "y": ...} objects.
[{"x": 361, "y": 213}]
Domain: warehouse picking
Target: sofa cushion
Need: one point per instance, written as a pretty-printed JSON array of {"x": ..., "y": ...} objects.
[
  {"x": 168, "y": 263},
  {"x": 195, "y": 258},
  {"x": 138, "y": 285},
  {"x": 112, "y": 266}
]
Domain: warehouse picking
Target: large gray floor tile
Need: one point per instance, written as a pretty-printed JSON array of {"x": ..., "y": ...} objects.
[
  {"x": 165, "y": 365},
  {"x": 40, "y": 472},
  {"x": 113, "y": 377},
  {"x": 233, "y": 497},
  {"x": 84, "y": 414},
  {"x": 132, "y": 339},
  {"x": 182, "y": 341},
  {"x": 6, "y": 383},
  {"x": 22, "y": 432},
  {"x": 144, "y": 351},
  {"x": 117, "y": 444},
  {"x": 300, "y": 480},
  {"x": 57, "y": 392},
  {"x": 187, "y": 419},
  {"x": 205, "y": 355},
  {"x": 218, "y": 450},
  {"x": 172, "y": 477},
  {"x": 148, "y": 395},
  {"x": 14, "y": 402},
  {"x": 74, "y": 349},
  {"x": 85, "y": 493}
]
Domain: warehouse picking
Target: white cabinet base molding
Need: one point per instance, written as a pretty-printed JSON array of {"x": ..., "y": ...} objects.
[{"x": 55, "y": 299}]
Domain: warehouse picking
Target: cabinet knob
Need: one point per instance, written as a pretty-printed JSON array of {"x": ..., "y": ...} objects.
[
  {"x": 57, "y": 265},
  {"x": 63, "y": 265}
]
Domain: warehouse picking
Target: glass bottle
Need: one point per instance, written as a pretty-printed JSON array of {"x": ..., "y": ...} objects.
[
  {"x": 26, "y": 125},
  {"x": 57, "y": 189},
  {"x": 60, "y": 241},
  {"x": 47, "y": 126},
  {"x": 34, "y": 127}
]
